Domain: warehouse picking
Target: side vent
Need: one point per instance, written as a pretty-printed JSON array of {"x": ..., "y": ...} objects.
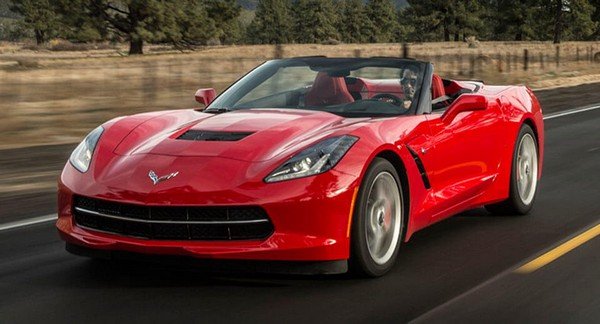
[
  {"x": 420, "y": 166},
  {"x": 200, "y": 135}
]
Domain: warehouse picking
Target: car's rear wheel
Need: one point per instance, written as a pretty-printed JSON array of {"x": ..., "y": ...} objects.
[
  {"x": 523, "y": 178},
  {"x": 378, "y": 220}
]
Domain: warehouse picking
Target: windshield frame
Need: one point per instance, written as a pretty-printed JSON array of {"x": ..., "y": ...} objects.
[{"x": 237, "y": 90}]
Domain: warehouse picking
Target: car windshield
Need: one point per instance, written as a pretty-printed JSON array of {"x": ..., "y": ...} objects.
[{"x": 350, "y": 87}]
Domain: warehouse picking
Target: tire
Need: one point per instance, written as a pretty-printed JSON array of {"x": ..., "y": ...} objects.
[
  {"x": 523, "y": 176},
  {"x": 378, "y": 221}
]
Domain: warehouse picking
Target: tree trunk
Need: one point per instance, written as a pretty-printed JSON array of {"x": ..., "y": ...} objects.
[
  {"x": 519, "y": 36},
  {"x": 39, "y": 37},
  {"x": 136, "y": 46},
  {"x": 558, "y": 24},
  {"x": 446, "y": 34},
  {"x": 456, "y": 37}
]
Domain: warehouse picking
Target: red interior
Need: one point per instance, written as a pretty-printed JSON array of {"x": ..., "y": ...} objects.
[
  {"x": 368, "y": 88},
  {"x": 437, "y": 87},
  {"x": 328, "y": 90}
]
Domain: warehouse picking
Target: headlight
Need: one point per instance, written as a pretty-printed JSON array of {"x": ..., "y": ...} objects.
[
  {"x": 82, "y": 155},
  {"x": 314, "y": 160}
]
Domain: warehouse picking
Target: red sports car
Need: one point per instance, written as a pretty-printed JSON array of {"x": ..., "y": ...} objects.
[{"x": 319, "y": 163}]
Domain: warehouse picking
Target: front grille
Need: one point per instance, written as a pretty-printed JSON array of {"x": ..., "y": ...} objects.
[
  {"x": 172, "y": 223},
  {"x": 201, "y": 135}
]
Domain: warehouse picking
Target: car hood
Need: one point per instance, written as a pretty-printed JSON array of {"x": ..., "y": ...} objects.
[{"x": 249, "y": 135}]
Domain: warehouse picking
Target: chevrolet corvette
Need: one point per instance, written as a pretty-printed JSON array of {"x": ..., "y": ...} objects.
[{"x": 327, "y": 162}]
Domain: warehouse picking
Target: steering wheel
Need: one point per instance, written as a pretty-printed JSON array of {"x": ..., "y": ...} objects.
[{"x": 389, "y": 98}]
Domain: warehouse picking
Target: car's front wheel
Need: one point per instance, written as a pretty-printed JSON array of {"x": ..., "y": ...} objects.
[
  {"x": 378, "y": 220},
  {"x": 523, "y": 178}
]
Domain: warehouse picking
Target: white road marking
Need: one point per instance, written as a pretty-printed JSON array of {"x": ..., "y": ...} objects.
[
  {"x": 571, "y": 112},
  {"x": 27, "y": 222},
  {"x": 48, "y": 218}
]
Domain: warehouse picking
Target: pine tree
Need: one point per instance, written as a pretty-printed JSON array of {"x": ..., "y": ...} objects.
[
  {"x": 355, "y": 25},
  {"x": 467, "y": 19},
  {"x": 272, "y": 23},
  {"x": 180, "y": 22},
  {"x": 314, "y": 21},
  {"x": 406, "y": 28},
  {"x": 515, "y": 19},
  {"x": 446, "y": 20},
  {"x": 554, "y": 20},
  {"x": 225, "y": 14},
  {"x": 39, "y": 16},
  {"x": 421, "y": 23},
  {"x": 596, "y": 18},
  {"x": 559, "y": 20},
  {"x": 577, "y": 20},
  {"x": 432, "y": 19},
  {"x": 382, "y": 14}
]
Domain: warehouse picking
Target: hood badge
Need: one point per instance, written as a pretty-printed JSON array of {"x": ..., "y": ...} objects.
[{"x": 156, "y": 179}]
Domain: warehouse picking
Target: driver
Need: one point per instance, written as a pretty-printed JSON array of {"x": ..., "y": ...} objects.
[{"x": 409, "y": 86}]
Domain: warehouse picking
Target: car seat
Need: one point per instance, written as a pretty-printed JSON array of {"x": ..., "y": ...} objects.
[
  {"x": 437, "y": 87},
  {"x": 328, "y": 90}
]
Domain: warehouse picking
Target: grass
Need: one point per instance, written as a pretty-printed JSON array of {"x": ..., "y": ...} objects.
[{"x": 56, "y": 97}]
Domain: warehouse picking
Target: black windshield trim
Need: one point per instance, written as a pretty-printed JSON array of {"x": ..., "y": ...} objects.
[{"x": 319, "y": 63}]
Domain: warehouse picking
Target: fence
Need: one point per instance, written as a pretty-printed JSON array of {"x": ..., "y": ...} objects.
[{"x": 60, "y": 100}]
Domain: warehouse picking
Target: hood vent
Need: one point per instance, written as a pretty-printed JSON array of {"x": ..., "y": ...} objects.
[{"x": 200, "y": 135}]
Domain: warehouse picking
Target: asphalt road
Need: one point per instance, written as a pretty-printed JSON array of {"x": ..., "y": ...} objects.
[{"x": 458, "y": 270}]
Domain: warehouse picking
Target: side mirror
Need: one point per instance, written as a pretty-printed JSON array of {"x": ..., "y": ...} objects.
[
  {"x": 466, "y": 102},
  {"x": 205, "y": 96}
]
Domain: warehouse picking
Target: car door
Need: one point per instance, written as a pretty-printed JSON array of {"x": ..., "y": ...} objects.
[{"x": 462, "y": 156}]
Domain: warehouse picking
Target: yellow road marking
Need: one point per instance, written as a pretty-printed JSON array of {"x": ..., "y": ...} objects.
[
  {"x": 351, "y": 211},
  {"x": 560, "y": 250}
]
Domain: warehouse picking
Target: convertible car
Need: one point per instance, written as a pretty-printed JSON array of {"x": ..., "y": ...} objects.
[{"x": 322, "y": 164}]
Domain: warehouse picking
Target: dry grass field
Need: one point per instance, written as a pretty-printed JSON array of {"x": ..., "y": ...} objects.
[
  {"x": 53, "y": 97},
  {"x": 49, "y": 97}
]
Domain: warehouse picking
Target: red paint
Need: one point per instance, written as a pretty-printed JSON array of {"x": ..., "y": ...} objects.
[
  {"x": 205, "y": 96},
  {"x": 467, "y": 159}
]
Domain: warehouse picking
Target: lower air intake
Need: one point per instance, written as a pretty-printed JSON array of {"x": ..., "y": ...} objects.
[{"x": 172, "y": 223}]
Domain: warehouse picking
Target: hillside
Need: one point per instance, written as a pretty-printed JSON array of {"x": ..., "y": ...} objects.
[
  {"x": 251, "y": 4},
  {"x": 246, "y": 4}
]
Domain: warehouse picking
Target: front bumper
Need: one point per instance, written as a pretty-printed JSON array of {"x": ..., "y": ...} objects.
[{"x": 310, "y": 217}]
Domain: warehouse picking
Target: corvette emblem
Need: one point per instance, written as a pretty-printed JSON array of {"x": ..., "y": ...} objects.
[{"x": 156, "y": 179}]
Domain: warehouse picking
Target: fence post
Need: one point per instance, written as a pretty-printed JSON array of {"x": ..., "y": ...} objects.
[
  {"x": 206, "y": 72},
  {"x": 472, "y": 66},
  {"x": 525, "y": 59},
  {"x": 405, "y": 50},
  {"x": 499, "y": 61},
  {"x": 557, "y": 55},
  {"x": 278, "y": 51},
  {"x": 453, "y": 68},
  {"x": 541, "y": 60},
  {"x": 357, "y": 52},
  {"x": 507, "y": 62},
  {"x": 577, "y": 54}
]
